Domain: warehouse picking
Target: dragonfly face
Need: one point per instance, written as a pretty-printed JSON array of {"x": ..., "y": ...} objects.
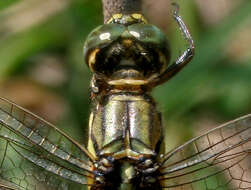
[
  {"x": 127, "y": 49},
  {"x": 128, "y": 57}
]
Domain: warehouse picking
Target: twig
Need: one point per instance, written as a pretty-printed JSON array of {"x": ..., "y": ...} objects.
[{"x": 111, "y": 7}]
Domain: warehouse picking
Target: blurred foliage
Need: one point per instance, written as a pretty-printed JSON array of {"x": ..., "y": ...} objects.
[
  {"x": 42, "y": 67},
  {"x": 4, "y": 4}
]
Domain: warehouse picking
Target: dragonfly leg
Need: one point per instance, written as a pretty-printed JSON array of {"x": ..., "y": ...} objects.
[
  {"x": 105, "y": 165},
  {"x": 183, "y": 59},
  {"x": 147, "y": 172}
]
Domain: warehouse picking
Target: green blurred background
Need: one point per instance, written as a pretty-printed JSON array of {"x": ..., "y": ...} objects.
[{"x": 42, "y": 66}]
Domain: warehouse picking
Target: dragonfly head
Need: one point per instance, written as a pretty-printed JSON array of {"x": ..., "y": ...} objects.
[{"x": 127, "y": 50}]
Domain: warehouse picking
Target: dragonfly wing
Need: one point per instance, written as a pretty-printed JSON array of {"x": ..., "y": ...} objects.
[
  {"x": 30, "y": 168},
  {"x": 219, "y": 159},
  {"x": 26, "y": 139},
  {"x": 7, "y": 185}
]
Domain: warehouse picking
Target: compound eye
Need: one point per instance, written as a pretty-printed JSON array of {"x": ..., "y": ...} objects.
[
  {"x": 147, "y": 33},
  {"x": 99, "y": 38},
  {"x": 105, "y": 36},
  {"x": 154, "y": 40},
  {"x": 135, "y": 34}
]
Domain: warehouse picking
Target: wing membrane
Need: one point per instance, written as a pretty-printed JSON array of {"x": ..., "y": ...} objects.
[
  {"x": 219, "y": 159},
  {"x": 37, "y": 143},
  {"x": 7, "y": 185},
  {"x": 28, "y": 168},
  {"x": 43, "y": 134}
]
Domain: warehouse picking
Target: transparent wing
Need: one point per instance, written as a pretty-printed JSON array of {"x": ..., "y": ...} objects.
[
  {"x": 219, "y": 159},
  {"x": 33, "y": 152},
  {"x": 7, "y": 185}
]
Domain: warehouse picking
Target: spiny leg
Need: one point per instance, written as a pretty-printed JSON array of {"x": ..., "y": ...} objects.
[{"x": 182, "y": 60}]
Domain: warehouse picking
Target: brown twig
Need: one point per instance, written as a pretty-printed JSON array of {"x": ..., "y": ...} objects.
[{"x": 111, "y": 7}]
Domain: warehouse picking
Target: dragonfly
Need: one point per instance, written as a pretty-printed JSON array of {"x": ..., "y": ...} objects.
[{"x": 128, "y": 58}]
